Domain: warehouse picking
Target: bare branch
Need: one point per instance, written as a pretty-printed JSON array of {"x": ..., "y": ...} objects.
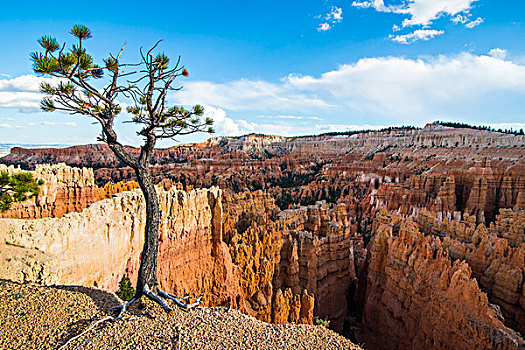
[{"x": 121, "y": 50}]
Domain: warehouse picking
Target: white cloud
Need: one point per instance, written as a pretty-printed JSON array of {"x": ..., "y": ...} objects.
[
  {"x": 8, "y": 126},
  {"x": 247, "y": 95},
  {"x": 41, "y": 123},
  {"x": 362, "y": 4},
  {"x": 49, "y": 123},
  {"x": 419, "y": 34},
  {"x": 26, "y": 82},
  {"x": 397, "y": 88},
  {"x": 466, "y": 21},
  {"x": 287, "y": 117},
  {"x": 225, "y": 126},
  {"x": 334, "y": 16},
  {"x": 474, "y": 23},
  {"x": 381, "y": 89},
  {"x": 414, "y": 88},
  {"x": 423, "y": 13},
  {"x": 460, "y": 19},
  {"x": 323, "y": 27},
  {"x": 221, "y": 123},
  {"x": 292, "y": 129},
  {"x": 498, "y": 53},
  {"x": 22, "y": 92},
  {"x": 379, "y": 6},
  {"x": 26, "y": 102},
  {"x": 347, "y": 127},
  {"x": 508, "y": 126},
  {"x": 5, "y": 118}
]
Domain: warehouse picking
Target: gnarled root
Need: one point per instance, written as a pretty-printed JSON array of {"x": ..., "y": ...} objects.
[
  {"x": 122, "y": 308},
  {"x": 84, "y": 332},
  {"x": 159, "y": 298},
  {"x": 181, "y": 301}
]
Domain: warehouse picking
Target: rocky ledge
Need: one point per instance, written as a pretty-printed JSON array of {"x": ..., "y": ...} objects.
[{"x": 35, "y": 317}]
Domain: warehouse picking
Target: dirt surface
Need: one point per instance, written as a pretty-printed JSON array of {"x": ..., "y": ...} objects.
[{"x": 35, "y": 317}]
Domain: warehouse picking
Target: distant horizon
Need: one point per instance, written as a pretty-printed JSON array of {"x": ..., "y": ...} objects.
[{"x": 333, "y": 133}]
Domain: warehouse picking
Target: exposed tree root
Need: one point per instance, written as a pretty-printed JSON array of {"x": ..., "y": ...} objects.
[
  {"x": 160, "y": 298},
  {"x": 85, "y": 331},
  {"x": 181, "y": 301},
  {"x": 156, "y": 298},
  {"x": 122, "y": 308}
]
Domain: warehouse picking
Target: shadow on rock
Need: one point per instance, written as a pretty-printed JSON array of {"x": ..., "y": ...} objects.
[{"x": 103, "y": 300}]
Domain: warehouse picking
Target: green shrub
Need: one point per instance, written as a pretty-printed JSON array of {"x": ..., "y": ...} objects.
[
  {"x": 321, "y": 322},
  {"x": 125, "y": 289},
  {"x": 17, "y": 188}
]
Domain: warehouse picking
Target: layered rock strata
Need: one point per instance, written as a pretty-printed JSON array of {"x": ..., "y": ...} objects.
[
  {"x": 290, "y": 258},
  {"x": 416, "y": 298},
  {"x": 240, "y": 253},
  {"x": 430, "y": 138},
  {"x": 65, "y": 189},
  {"x": 495, "y": 254}
]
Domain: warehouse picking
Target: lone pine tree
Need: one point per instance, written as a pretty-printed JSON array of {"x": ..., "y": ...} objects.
[{"x": 93, "y": 90}]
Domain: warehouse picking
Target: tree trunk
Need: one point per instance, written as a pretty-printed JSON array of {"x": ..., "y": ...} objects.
[{"x": 148, "y": 260}]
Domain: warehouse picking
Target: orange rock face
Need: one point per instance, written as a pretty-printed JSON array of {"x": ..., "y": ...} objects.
[
  {"x": 495, "y": 254},
  {"x": 416, "y": 295},
  {"x": 65, "y": 190},
  {"x": 289, "y": 259},
  {"x": 288, "y": 238},
  {"x": 237, "y": 250}
]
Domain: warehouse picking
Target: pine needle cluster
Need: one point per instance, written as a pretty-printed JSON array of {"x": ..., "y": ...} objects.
[{"x": 17, "y": 188}]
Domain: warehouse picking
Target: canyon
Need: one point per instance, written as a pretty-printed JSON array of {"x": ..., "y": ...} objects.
[{"x": 403, "y": 239}]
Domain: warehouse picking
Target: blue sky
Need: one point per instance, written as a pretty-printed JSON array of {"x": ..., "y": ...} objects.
[{"x": 287, "y": 67}]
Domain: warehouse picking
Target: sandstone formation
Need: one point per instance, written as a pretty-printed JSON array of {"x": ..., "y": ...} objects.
[
  {"x": 288, "y": 237},
  {"x": 416, "y": 295},
  {"x": 496, "y": 256},
  {"x": 102, "y": 243},
  {"x": 317, "y": 255},
  {"x": 65, "y": 189},
  {"x": 233, "y": 253}
]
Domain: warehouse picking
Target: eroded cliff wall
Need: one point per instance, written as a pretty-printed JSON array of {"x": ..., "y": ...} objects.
[
  {"x": 66, "y": 189},
  {"x": 414, "y": 294},
  {"x": 98, "y": 245},
  {"x": 423, "y": 297},
  {"x": 290, "y": 258},
  {"x": 237, "y": 250}
]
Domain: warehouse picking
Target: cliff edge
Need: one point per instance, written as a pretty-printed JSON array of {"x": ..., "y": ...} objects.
[{"x": 47, "y": 317}]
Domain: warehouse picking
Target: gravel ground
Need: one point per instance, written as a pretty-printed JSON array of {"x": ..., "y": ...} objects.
[{"x": 35, "y": 317}]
